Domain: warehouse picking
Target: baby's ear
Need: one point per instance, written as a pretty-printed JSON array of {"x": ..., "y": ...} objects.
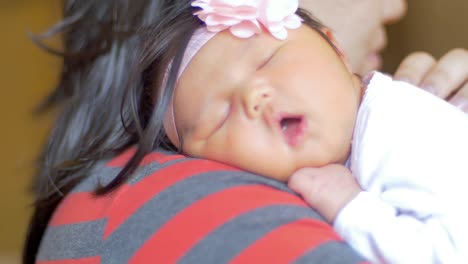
[{"x": 341, "y": 52}]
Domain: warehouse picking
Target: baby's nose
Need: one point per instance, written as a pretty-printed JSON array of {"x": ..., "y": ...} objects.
[{"x": 255, "y": 99}]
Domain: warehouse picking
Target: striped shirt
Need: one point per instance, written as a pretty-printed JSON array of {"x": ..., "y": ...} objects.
[{"x": 177, "y": 209}]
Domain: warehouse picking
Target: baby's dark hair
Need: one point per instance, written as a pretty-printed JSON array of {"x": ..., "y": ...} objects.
[{"x": 115, "y": 56}]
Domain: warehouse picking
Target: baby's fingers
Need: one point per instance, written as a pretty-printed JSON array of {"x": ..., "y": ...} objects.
[
  {"x": 304, "y": 182},
  {"x": 315, "y": 181},
  {"x": 327, "y": 189}
]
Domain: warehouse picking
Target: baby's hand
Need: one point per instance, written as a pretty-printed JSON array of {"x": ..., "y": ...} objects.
[{"x": 327, "y": 189}]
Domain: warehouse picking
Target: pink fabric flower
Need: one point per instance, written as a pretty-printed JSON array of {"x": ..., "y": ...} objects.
[{"x": 245, "y": 18}]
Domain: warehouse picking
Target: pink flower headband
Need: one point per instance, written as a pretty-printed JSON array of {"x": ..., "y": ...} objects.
[{"x": 244, "y": 19}]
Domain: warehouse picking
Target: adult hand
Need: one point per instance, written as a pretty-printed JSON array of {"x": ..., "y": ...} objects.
[
  {"x": 446, "y": 78},
  {"x": 327, "y": 189}
]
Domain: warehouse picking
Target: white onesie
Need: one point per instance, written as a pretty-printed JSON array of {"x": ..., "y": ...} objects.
[{"x": 410, "y": 155}]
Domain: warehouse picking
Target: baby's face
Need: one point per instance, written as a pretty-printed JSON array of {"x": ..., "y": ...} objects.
[{"x": 267, "y": 106}]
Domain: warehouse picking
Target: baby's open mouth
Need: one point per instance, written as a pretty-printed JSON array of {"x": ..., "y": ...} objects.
[{"x": 292, "y": 128}]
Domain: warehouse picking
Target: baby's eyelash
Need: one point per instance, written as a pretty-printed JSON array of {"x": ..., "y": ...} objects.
[
  {"x": 272, "y": 55},
  {"x": 221, "y": 121},
  {"x": 265, "y": 62}
]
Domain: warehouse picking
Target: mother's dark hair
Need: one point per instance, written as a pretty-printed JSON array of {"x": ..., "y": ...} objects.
[{"x": 115, "y": 56}]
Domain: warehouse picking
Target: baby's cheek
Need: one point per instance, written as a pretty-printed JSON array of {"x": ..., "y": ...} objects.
[
  {"x": 251, "y": 149},
  {"x": 194, "y": 148},
  {"x": 274, "y": 165}
]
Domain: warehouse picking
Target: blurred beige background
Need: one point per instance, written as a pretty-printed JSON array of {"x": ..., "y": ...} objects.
[
  {"x": 27, "y": 73},
  {"x": 435, "y": 26}
]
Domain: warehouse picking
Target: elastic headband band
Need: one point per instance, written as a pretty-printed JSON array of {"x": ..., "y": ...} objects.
[{"x": 199, "y": 38}]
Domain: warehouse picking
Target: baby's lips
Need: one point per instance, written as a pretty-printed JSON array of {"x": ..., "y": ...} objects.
[{"x": 292, "y": 128}]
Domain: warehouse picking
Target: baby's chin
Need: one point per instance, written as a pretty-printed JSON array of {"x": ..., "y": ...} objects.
[
  {"x": 279, "y": 173},
  {"x": 284, "y": 173},
  {"x": 281, "y": 178}
]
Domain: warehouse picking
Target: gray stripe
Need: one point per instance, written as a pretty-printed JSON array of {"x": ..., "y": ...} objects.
[
  {"x": 233, "y": 237},
  {"x": 90, "y": 184},
  {"x": 147, "y": 170},
  {"x": 72, "y": 241},
  {"x": 103, "y": 175},
  {"x": 131, "y": 235},
  {"x": 334, "y": 252}
]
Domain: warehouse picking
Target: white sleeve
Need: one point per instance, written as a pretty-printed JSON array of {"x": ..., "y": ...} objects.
[
  {"x": 382, "y": 235},
  {"x": 409, "y": 154}
]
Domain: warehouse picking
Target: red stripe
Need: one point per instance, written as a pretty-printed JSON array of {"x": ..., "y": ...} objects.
[
  {"x": 122, "y": 159},
  {"x": 288, "y": 242},
  {"x": 91, "y": 260},
  {"x": 148, "y": 187},
  {"x": 83, "y": 207},
  {"x": 188, "y": 227},
  {"x": 159, "y": 157}
]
